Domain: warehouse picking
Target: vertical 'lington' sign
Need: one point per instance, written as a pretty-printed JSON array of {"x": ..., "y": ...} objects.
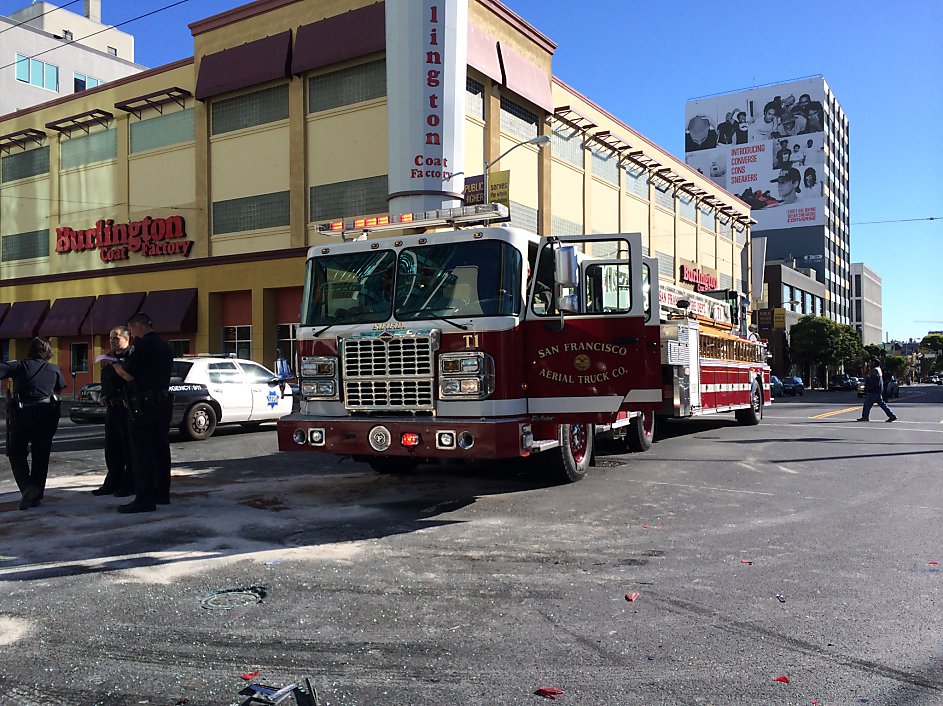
[{"x": 426, "y": 59}]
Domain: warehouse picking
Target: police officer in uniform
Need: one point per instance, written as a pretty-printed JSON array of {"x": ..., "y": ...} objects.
[
  {"x": 33, "y": 417},
  {"x": 118, "y": 480},
  {"x": 147, "y": 370}
]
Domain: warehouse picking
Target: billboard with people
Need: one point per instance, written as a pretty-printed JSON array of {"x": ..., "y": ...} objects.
[{"x": 764, "y": 145}]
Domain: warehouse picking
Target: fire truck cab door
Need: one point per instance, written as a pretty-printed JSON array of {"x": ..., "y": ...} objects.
[{"x": 584, "y": 362}]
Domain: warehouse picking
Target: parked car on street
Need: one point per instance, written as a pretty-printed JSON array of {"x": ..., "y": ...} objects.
[
  {"x": 842, "y": 381},
  {"x": 891, "y": 387},
  {"x": 209, "y": 391},
  {"x": 793, "y": 386},
  {"x": 775, "y": 386}
]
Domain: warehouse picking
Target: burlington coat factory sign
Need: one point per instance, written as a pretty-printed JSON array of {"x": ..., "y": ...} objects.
[{"x": 117, "y": 241}]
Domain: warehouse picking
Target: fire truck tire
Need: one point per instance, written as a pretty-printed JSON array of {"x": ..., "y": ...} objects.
[
  {"x": 640, "y": 432},
  {"x": 754, "y": 413},
  {"x": 393, "y": 464},
  {"x": 575, "y": 451}
]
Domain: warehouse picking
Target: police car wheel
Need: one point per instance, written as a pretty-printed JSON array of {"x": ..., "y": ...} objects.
[{"x": 199, "y": 422}]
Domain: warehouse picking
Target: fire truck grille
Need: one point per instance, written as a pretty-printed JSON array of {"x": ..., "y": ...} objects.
[
  {"x": 388, "y": 394},
  {"x": 389, "y": 373}
]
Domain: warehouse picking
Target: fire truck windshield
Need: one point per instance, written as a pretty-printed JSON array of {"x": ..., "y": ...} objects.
[{"x": 469, "y": 279}]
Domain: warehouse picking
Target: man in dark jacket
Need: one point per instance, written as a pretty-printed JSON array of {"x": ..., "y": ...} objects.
[
  {"x": 118, "y": 480},
  {"x": 874, "y": 393}
]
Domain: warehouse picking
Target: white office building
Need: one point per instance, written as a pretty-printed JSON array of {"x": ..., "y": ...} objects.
[
  {"x": 47, "y": 52},
  {"x": 866, "y": 307}
]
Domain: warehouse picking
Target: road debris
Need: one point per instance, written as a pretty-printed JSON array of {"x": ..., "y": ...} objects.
[
  {"x": 549, "y": 692},
  {"x": 784, "y": 680},
  {"x": 632, "y": 597},
  {"x": 746, "y": 561},
  {"x": 249, "y": 676},
  {"x": 229, "y": 598},
  {"x": 780, "y": 597}
]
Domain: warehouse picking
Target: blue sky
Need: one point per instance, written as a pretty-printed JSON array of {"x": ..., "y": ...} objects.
[{"x": 642, "y": 61}]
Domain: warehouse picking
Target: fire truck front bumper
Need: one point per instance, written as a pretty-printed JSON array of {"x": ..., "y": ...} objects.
[{"x": 439, "y": 438}]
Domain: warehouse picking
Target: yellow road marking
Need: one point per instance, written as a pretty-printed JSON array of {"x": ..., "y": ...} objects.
[{"x": 835, "y": 412}]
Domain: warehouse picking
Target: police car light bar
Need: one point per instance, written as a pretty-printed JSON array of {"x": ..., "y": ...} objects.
[{"x": 479, "y": 213}]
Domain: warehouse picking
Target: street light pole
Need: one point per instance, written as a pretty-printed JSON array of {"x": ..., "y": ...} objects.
[{"x": 540, "y": 141}]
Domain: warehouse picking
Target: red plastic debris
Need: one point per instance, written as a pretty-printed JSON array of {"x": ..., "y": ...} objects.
[
  {"x": 784, "y": 680},
  {"x": 745, "y": 561},
  {"x": 250, "y": 675},
  {"x": 549, "y": 692},
  {"x": 644, "y": 526},
  {"x": 933, "y": 563},
  {"x": 631, "y": 597}
]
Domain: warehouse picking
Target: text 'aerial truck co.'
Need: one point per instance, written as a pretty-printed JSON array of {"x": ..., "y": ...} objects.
[{"x": 490, "y": 342}]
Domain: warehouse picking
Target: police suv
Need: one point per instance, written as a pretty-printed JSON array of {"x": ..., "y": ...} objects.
[{"x": 212, "y": 390}]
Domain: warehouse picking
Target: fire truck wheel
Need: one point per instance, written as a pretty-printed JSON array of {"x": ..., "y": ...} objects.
[
  {"x": 754, "y": 413},
  {"x": 576, "y": 451},
  {"x": 640, "y": 432},
  {"x": 393, "y": 464},
  {"x": 199, "y": 422}
]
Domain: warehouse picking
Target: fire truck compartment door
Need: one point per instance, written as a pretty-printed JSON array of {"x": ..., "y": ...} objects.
[{"x": 603, "y": 358}]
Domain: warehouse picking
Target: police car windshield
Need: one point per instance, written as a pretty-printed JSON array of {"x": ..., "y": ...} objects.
[
  {"x": 469, "y": 279},
  {"x": 349, "y": 288}
]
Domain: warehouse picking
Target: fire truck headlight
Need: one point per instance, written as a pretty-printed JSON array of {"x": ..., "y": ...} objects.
[
  {"x": 466, "y": 375},
  {"x": 470, "y": 386},
  {"x": 312, "y": 389},
  {"x": 299, "y": 436},
  {"x": 318, "y": 366}
]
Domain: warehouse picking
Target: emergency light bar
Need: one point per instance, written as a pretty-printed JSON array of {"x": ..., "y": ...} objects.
[{"x": 479, "y": 213}]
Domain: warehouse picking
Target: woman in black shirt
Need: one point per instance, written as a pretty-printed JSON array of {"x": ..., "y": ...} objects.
[{"x": 32, "y": 417}]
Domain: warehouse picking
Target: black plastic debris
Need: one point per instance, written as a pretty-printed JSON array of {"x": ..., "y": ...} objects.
[
  {"x": 229, "y": 598},
  {"x": 267, "y": 694}
]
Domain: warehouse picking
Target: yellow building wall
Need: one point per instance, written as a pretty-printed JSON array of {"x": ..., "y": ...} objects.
[
  {"x": 707, "y": 249},
  {"x": 88, "y": 193},
  {"x": 635, "y": 218},
  {"x": 24, "y": 205},
  {"x": 663, "y": 232},
  {"x": 686, "y": 241},
  {"x": 566, "y": 191},
  {"x": 474, "y": 147},
  {"x": 604, "y": 214},
  {"x": 347, "y": 143},
  {"x": 249, "y": 162},
  {"x": 522, "y": 163},
  {"x": 176, "y": 187}
]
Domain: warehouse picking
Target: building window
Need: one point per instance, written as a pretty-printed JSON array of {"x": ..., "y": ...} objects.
[
  {"x": 67, "y": 35},
  {"x": 606, "y": 165},
  {"x": 666, "y": 266},
  {"x": 664, "y": 196},
  {"x": 566, "y": 143},
  {"x": 857, "y": 292},
  {"x": 257, "y": 108},
  {"x": 37, "y": 73},
  {"x": 162, "y": 131},
  {"x": 179, "y": 347},
  {"x": 523, "y": 216},
  {"x": 636, "y": 181},
  {"x": 113, "y": 51},
  {"x": 561, "y": 226},
  {"x": 474, "y": 98},
  {"x": 24, "y": 164},
  {"x": 237, "y": 340},
  {"x": 251, "y": 213},
  {"x": 355, "y": 84},
  {"x": 96, "y": 147},
  {"x": 517, "y": 120},
  {"x": 79, "y": 358},
  {"x": 82, "y": 82},
  {"x": 686, "y": 207},
  {"x": 24, "y": 246},
  {"x": 358, "y": 197},
  {"x": 286, "y": 340}
]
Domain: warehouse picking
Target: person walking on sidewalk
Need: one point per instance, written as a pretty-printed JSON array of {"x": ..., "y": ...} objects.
[
  {"x": 874, "y": 393},
  {"x": 33, "y": 417}
]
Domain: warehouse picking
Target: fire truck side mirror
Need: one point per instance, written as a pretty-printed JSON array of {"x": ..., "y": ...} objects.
[{"x": 566, "y": 266}]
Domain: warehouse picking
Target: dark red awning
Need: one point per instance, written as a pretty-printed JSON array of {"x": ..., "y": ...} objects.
[
  {"x": 66, "y": 316},
  {"x": 111, "y": 310},
  {"x": 23, "y": 319},
  {"x": 247, "y": 65},
  {"x": 339, "y": 38},
  {"x": 171, "y": 310}
]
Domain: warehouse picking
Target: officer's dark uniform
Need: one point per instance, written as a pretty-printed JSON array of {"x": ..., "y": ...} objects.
[
  {"x": 117, "y": 438},
  {"x": 149, "y": 410},
  {"x": 33, "y": 422}
]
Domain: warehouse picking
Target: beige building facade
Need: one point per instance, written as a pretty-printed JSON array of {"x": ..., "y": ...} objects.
[{"x": 192, "y": 191}]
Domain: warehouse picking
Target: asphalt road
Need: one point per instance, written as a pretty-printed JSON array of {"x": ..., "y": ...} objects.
[{"x": 478, "y": 585}]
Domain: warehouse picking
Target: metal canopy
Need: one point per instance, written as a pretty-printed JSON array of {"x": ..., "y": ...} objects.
[
  {"x": 81, "y": 121},
  {"x": 156, "y": 100},
  {"x": 21, "y": 138},
  {"x": 573, "y": 118}
]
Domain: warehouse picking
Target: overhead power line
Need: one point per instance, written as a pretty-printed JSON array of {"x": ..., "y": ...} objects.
[
  {"x": 898, "y": 220},
  {"x": 20, "y": 24},
  {"x": 120, "y": 24}
]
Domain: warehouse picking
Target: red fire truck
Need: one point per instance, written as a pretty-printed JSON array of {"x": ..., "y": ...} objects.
[{"x": 489, "y": 342}]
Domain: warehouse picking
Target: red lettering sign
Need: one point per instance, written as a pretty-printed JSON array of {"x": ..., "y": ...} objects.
[{"x": 115, "y": 241}]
